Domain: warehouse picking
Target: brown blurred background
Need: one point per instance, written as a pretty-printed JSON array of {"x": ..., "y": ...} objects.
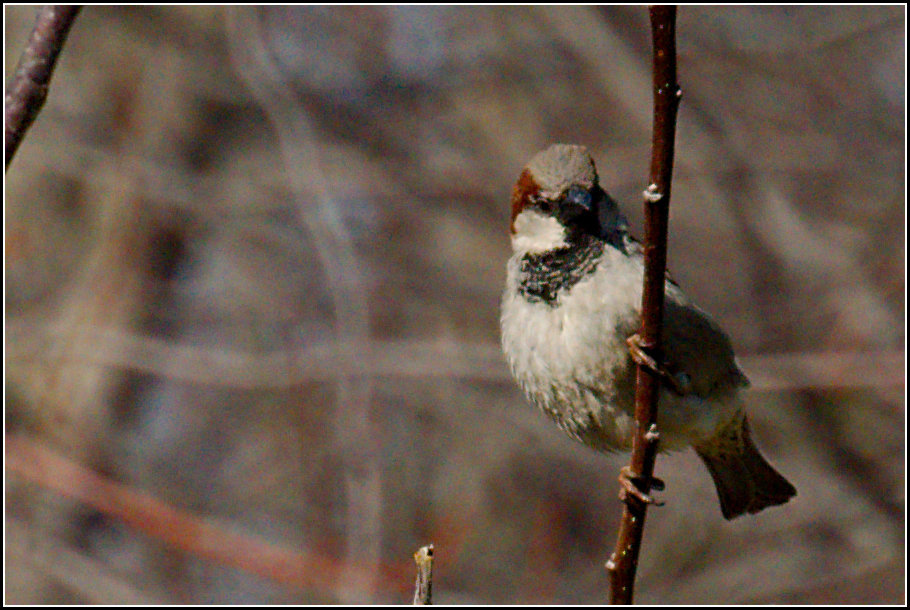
[{"x": 253, "y": 265}]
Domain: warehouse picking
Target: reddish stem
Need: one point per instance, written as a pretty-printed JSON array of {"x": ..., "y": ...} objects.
[{"x": 624, "y": 562}]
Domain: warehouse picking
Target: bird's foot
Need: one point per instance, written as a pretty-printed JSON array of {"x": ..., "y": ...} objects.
[
  {"x": 678, "y": 382},
  {"x": 630, "y": 487}
]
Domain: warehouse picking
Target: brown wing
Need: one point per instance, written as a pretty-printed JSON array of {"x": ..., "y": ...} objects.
[{"x": 694, "y": 344}]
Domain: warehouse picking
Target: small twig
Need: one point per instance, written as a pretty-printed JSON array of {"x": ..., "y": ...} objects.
[
  {"x": 423, "y": 588},
  {"x": 27, "y": 91},
  {"x": 624, "y": 561}
]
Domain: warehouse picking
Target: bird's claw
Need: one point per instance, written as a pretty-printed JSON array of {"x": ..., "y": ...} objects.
[
  {"x": 629, "y": 487},
  {"x": 639, "y": 355},
  {"x": 679, "y": 383}
]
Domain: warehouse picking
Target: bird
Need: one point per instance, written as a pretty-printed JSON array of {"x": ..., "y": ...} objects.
[{"x": 570, "y": 311}]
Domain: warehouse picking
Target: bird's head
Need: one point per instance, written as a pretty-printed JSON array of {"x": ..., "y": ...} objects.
[{"x": 556, "y": 199}]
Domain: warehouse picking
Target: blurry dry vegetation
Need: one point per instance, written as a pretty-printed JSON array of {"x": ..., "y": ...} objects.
[{"x": 253, "y": 263}]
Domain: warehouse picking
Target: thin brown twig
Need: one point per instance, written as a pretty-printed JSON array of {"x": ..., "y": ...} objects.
[
  {"x": 624, "y": 561},
  {"x": 27, "y": 91}
]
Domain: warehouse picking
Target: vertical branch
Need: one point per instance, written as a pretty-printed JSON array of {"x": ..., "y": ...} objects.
[
  {"x": 624, "y": 561},
  {"x": 27, "y": 91}
]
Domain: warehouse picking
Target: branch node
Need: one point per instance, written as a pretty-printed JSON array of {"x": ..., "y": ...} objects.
[
  {"x": 652, "y": 435},
  {"x": 652, "y": 194}
]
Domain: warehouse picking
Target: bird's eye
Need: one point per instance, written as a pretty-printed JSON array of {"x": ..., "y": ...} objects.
[{"x": 542, "y": 203}]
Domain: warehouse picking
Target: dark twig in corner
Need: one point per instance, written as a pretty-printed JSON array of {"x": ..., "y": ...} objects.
[
  {"x": 624, "y": 561},
  {"x": 423, "y": 587},
  {"x": 27, "y": 91}
]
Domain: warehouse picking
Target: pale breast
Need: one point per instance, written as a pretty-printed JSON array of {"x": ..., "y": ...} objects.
[{"x": 569, "y": 355}]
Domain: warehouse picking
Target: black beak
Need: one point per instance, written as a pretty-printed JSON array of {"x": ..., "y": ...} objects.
[
  {"x": 578, "y": 209},
  {"x": 579, "y": 198}
]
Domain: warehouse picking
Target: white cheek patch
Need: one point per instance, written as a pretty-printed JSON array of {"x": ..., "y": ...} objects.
[{"x": 535, "y": 232}]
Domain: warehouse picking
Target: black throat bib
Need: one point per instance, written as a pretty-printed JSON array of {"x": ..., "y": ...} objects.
[{"x": 543, "y": 276}]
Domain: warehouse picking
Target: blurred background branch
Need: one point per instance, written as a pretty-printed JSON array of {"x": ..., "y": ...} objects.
[
  {"x": 437, "y": 358},
  {"x": 319, "y": 213},
  {"x": 202, "y": 537}
]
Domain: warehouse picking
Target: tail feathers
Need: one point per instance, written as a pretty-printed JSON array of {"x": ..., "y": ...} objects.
[{"x": 745, "y": 482}]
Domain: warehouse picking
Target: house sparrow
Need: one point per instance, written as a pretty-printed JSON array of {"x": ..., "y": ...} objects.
[{"x": 571, "y": 302}]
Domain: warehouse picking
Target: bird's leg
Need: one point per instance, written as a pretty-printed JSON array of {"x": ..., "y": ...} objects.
[
  {"x": 679, "y": 382},
  {"x": 629, "y": 482}
]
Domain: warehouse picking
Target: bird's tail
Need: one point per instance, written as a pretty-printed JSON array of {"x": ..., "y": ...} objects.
[{"x": 745, "y": 482}]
